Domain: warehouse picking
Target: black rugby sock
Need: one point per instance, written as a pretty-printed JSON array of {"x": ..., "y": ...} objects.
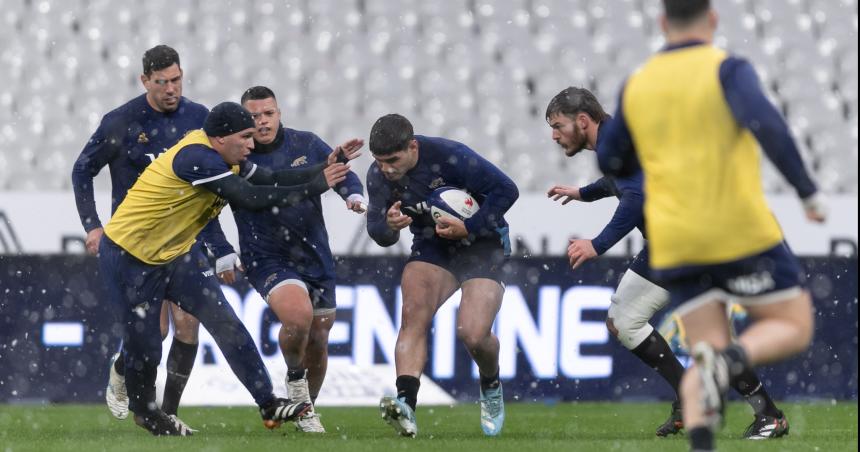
[
  {"x": 180, "y": 361},
  {"x": 748, "y": 385},
  {"x": 656, "y": 353},
  {"x": 701, "y": 439},
  {"x": 407, "y": 389},
  {"x": 119, "y": 364},
  {"x": 736, "y": 362},
  {"x": 295, "y": 374},
  {"x": 491, "y": 382}
]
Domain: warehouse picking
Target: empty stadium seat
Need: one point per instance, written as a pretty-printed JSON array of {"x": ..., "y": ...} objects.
[{"x": 478, "y": 70}]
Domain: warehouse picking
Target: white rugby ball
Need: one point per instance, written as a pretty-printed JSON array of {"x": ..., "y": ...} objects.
[{"x": 451, "y": 202}]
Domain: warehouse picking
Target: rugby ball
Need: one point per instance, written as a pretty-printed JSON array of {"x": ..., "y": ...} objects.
[{"x": 451, "y": 202}]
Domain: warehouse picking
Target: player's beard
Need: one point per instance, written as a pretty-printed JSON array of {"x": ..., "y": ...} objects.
[{"x": 577, "y": 143}]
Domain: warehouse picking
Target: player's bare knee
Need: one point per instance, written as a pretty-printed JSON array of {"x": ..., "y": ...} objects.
[
  {"x": 186, "y": 328},
  {"x": 318, "y": 338},
  {"x": 610, "y": 325},
  {"x": 472, "y": 338},
  {"x": 806, "y": 320},
  {"x": 805, "y": 326},
  {"x": 187, "y": 335}
]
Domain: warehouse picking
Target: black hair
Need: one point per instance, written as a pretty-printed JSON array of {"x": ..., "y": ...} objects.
[
  {"x": 682, "y": 12},
  {"x": 390, "y": 133},
  {"x": 158, "y": 58},
  {"x": 573, "y": 100},
  {"x": 257, "y": 93}
]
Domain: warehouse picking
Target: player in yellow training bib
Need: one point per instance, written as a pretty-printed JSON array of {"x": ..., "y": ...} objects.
[
  {"x": 146, "y": 254},
  {"x": 691, "y": 116}
]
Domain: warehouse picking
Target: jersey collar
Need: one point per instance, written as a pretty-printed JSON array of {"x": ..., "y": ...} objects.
[{"x": 683, "y": 45}]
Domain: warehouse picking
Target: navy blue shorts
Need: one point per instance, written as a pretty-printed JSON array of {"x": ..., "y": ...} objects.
[
  {"x": 484, "y": 258},
  {"x": 137, "y": 290},
  {"x": 267, "y": 274},
  {"x": 640, "y": 264},
  {"x": 770, "y": 276}
]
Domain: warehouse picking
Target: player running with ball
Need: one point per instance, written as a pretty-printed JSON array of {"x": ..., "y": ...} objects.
[{"x": 447, "y": 256}]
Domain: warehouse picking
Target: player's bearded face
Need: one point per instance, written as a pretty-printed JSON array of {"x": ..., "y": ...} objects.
[
  {"x": 567, "y": 134},
  {"x": 164, "y": 88},
  {"x": 266, "y": 116}
]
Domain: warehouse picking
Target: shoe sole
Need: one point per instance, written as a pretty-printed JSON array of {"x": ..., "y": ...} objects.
[{"x": 390, "y": 413}]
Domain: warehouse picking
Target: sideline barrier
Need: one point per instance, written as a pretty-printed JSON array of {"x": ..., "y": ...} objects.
[{"x": 57, "y": 332}]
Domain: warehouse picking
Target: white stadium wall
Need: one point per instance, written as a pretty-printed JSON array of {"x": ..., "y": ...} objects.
[{"x": 47, "y": 223}]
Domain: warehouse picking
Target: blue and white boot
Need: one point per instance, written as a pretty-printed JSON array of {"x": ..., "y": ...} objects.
[
  {"x": 492, "y": 410},
  {"x": 398, "y": 414}
]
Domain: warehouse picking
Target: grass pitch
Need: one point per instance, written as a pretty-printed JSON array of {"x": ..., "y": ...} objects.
[{"x": 529, "y": 427}]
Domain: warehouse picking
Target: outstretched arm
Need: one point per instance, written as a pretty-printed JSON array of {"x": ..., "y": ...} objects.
[
  {"x": 753, "y": 110},
  {"x": 244, "y": 195}
]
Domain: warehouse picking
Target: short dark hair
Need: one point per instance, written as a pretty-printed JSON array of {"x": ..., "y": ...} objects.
[
  {"x": 390, "y": 133},
  {"x": 573, "y": 100},
  {"x": 158, "y": 58},
  {"x": 683, "y": 12},
  {"x": 257, "y": 93}
]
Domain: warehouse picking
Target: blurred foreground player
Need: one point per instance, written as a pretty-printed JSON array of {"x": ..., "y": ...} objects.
[
  {"x": 148, "y": 252},
  {"x": 286, "y": 250},
  {"x": 467, "y": 255},
  {"x": 713, "y": 238},
  {"x": 578, "y": 121}
]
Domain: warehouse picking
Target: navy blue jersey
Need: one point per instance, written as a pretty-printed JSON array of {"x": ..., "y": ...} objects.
[
  {"x": 440, "y": 163},
  {"x": 127, "y": 140},
  {"x": 296, "y": 234},
  {"x": 628, "y": 189}
]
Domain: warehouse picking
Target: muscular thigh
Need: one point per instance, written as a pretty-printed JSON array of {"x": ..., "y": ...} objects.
[
  {"x": 426, "y": 286},
  {"x": 481, "y": 301}
]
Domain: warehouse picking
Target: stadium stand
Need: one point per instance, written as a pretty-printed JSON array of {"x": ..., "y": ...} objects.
[{"x": 480, "y": 71}]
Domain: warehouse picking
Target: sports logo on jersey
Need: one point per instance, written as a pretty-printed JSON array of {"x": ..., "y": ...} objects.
[
  {"x": 752, "y": 284},
  {"x": 303, "y": 160},
  {"x": 418, "y": 209},
  {"x": 142, "y": 138},
  {"x": 436, "y": 183},
  {"x": 270, "y": 279}
]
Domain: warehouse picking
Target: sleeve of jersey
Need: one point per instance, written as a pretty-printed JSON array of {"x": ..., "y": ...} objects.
[
  {"x": 616, "y": 154},
  {"x": 754, "y": 111},
  {"x": 601, "y": 188},
  {"x": 213, "y": 238},
  {"x": 97, "y": 153},
  {"x": 352, "y": 184},
  {"x": 198, "y": 164},
  {"x": 500, "y": 192},
  {"x": 377, "y": 227},
  {"x": 627, "y": 216}
]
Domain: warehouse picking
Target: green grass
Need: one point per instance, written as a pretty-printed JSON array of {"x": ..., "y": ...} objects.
[{"x": 529, "y": 427}]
